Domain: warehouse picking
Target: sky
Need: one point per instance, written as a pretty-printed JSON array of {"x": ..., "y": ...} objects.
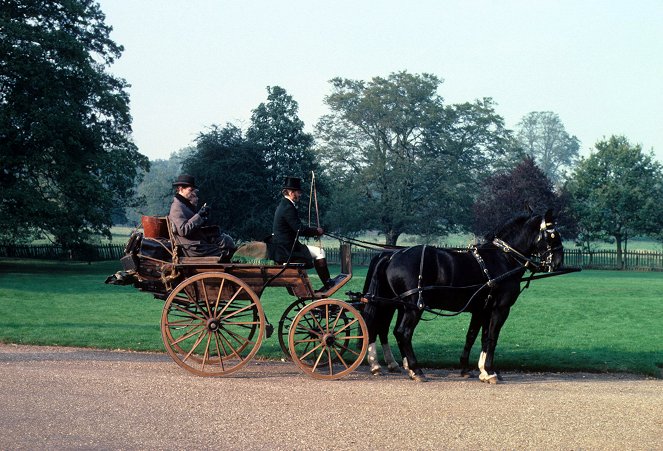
[{"x": 197, "y": 63}]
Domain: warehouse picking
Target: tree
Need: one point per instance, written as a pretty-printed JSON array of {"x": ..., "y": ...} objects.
[
  {"x": 412, "y": 162},
  {"x": 616, "y": 192},
  {"x": 507, "y": 193},
  {"x": 66, "y": 157},
  {"x": 233, "y": 180},
  {"x": 543, "y": 136},
  {"x": 278, "y": 131}
]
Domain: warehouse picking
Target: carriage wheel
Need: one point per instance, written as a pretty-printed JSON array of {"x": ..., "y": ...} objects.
[
  {"x": 212, "y": 324},
  {"x": 285, "y": 322},
  {"x": 328, "y": 339}
]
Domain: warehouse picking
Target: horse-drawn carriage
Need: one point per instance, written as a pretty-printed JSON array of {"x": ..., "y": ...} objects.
[{"x": 213, "y": 322}]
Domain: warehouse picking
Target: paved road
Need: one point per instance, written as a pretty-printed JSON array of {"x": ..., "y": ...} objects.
[{"x": 65, "y": 398}]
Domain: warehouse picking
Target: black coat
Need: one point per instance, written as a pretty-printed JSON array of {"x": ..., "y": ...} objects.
[
  {"x": 195, "y": 239},
  {"x": 286, "y": 227}
]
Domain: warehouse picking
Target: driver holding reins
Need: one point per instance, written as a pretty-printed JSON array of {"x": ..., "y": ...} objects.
[{"x": 288, "y": 227}]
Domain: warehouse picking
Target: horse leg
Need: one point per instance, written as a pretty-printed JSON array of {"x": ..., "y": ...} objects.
[
  {"x": 483, "y": 374},
  {"x": 404, "y": 331},
  {"x": 373, "y": 324},
  {"x": 392, "y": 364},
  {"x": 490, "y": 334},
  {"x": 472, "y": 332}
]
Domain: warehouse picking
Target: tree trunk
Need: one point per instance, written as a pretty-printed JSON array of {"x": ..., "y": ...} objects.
[
  {"x": 391, "y": 236},
  {"x": 620, "y": 258}
]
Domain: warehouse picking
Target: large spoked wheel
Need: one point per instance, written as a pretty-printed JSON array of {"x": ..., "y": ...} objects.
[
  {"x": 328, "y": 339},
  {"x": 212, "y": 324},
  {"x": 285, "y": 322}
]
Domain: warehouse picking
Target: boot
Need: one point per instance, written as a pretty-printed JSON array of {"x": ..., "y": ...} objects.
[{"x": 323, "y": 272}]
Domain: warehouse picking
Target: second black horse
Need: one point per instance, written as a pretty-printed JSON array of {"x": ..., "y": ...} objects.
[{"x": 483, "y": 281}]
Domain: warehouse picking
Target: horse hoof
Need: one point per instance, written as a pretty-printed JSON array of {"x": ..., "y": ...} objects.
[
  {"x": 418, "y": 377},
  {"x": 377, "y": 372},
  {"x": 489, "y": 379},
  {"x": 394, "y": 368},
  {"x": 466, "y": 374}
]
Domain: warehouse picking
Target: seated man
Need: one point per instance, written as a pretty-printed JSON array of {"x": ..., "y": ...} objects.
[
  {"x": 196, "y": 239},
  {"x": 288, "y": 227}
]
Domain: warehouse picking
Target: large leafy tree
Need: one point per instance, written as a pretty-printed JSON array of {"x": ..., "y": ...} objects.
[
  {"x": 542, "y": 135},
  {"x": 66, "y": 157},
  {"x": 233, "y": 180},
  {"x": 616, "y": 192},
  {"x": 410, "y": 162},
  {"x": 279, "y": 132}
]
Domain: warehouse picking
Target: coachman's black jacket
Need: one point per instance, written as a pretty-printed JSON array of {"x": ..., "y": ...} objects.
[{"x": 285, "y": 228}]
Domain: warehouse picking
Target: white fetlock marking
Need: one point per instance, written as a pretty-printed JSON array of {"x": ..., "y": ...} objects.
[
  {"x": 412, "y": 374},
  {"x": 405, "y": 364},
  {"x": 372, "y": 358},
  {"x": 483, "y": 374}
]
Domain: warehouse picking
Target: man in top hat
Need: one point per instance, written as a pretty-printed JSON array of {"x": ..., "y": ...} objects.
[
  {"x": 188, "y": 223},
  {"x": 288, "y": 228}
]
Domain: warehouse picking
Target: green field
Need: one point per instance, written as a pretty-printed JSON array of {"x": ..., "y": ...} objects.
[{"x": 599, "y": 321}]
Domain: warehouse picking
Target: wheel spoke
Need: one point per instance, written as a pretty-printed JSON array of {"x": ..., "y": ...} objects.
[
  {"x": 347, "y": 325},
  {"x": 234, "y": 351},
  {"x": 189, "y": 313},
  {"x": 218, "y": 351},
  {"x": 340, "y": 358},
  {"x": 193, "y": 348},
  {"x": 193, "y": 332},
  {"x": 303, "y": 356},
  {"x": 218, "y": 299},
  {"x": 317, "y": 361},
  {"x": 206, "y": 354}
]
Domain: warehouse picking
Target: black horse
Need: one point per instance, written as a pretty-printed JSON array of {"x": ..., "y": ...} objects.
[{"x": 483, "y": 281}]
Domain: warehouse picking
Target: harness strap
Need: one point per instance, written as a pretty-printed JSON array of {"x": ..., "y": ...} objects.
[
  {"x": 420, "y": 300},
  {"x": 482, "y": 264},
  {"x": 525, "y": 261}
]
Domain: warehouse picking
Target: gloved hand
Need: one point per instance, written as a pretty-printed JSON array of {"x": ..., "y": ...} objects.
[{"x": 204, "y": 211}]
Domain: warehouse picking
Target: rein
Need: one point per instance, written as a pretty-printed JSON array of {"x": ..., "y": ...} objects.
[
  {"x": 364, "y": 244},
  {"x": 524, "y": 262}
]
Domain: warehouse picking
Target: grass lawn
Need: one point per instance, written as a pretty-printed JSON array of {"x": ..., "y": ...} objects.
[{"x": 591, "y": 321}]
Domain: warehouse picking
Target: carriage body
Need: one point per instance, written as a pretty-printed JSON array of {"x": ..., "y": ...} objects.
[{"x": 213, "y": 321}]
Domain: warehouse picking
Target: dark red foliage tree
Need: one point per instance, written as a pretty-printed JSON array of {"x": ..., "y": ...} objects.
[{"x": 506, "y": 194}]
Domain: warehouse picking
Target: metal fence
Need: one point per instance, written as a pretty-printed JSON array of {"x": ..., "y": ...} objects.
[{"x": 600, "y": 259}]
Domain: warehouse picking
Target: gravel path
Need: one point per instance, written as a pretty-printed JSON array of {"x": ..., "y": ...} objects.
[{"x": 65, "y": 398}]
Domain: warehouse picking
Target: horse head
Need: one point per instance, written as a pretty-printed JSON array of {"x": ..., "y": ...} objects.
[
  {"x": 548, "y": 244},
  {"x": 534, "y": 235}
]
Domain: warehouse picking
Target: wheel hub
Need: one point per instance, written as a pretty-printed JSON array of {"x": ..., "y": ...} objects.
[
  {"x": 328, "y": 339},
  {"x": 212, "y": 325}
]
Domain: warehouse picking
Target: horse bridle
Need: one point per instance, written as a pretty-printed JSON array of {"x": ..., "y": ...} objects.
[{"x": 546, "y": 233}]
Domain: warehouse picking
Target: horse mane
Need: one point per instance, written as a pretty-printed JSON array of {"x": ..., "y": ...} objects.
[{"x": 507, "y": 227}]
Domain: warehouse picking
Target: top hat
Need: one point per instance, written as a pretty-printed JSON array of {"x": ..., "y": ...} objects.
[
  {"x": 185, "y": 180},
  {"x": 293, "y": 183}
]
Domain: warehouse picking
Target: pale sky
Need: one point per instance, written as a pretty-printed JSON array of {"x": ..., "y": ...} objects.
[{"x": 192, "y": 64}]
